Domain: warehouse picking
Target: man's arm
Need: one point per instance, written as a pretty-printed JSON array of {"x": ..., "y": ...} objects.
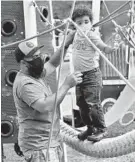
[
  {"x": 51, "y": 65},
  {"x": 54, "y": 61},
  {"x": 47, "y": 103}
]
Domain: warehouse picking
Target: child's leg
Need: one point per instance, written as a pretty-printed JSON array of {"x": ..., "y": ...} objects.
[
  {"x": 99, "y": 124},
  {"x": 92, "y": 89},
  {"x": 87, "y": 120},
  {"x": 83, "y": 107},
  {"x": 98, "y": 117}
]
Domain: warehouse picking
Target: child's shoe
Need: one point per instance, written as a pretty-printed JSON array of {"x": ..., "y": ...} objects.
[
  {"x": 83, "y": 135},
  {"x": 99, "y": 135}
]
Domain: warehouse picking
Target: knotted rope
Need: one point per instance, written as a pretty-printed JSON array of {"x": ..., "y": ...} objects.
[{"x": 109, "y": 147}]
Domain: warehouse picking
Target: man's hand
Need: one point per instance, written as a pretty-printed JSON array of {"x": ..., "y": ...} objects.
[
  {"x": 54, "y": 61},
  {"x": 47, "y": 103},
  {"x": 69, "y": 38},
  {"x": 73, "y": 79}
]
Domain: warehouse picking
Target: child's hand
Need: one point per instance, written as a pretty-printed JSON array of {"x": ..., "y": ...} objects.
[
  {"x": 70, "y": 37},
  {"x": 109, "y": 49},
  {"x": 70, "y": 31},
  {"x": 115, "y": 49}
]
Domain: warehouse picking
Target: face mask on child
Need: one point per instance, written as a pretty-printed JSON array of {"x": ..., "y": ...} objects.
[{"x": 85, "y": 29}]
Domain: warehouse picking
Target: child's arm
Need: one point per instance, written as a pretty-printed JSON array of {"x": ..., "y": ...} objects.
[
  {"x": 100, "y": 44},
  {"x": 108, "y": 49}
]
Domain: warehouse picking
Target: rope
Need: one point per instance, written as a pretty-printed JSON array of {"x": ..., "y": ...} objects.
[
  {"x": 131, "y": 29},
  {"x": 105, "y": 58},
  {"x": 110, "y": 13},
  {"x": 96, "y": 24},
  {"x": 133, "y": 43},
  {"x": 103, "y": 22},
  {"x": 109, "y": 147},
  {"x": 36, "y": 6},
  {"x": 37, "y": 35},
  {"x": 133, "y": 25},
  {"x": 120, "y": 29},
  {"x": 56, "y": 96}
]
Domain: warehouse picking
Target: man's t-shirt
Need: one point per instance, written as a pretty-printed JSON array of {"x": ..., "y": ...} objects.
[{"x": 34, "y": 127}]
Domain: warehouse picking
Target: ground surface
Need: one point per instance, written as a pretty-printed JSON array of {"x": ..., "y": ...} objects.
[{"x": 72, "y": 156}]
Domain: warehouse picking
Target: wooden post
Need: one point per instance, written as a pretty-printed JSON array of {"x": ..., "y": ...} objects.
[
  {"x": 96, "y": 7},
  {"x": 30, "y": 20}
]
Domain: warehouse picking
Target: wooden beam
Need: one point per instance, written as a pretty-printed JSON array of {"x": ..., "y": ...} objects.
[{"x": 30, "y": 20}]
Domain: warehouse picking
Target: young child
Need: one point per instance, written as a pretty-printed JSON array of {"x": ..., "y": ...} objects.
[{"x": 86, "y": 60}]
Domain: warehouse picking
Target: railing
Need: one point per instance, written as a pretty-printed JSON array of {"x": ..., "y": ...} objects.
[{"x": 118, "y": 59}]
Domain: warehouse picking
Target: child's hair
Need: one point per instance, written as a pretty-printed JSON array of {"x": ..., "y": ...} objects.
[{"x": 82, "y": 10}]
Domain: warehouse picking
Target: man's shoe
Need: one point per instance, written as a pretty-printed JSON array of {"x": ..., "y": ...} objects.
[
  {"x": 83, "y": 135},
  {"x": 97, "y": 136}
]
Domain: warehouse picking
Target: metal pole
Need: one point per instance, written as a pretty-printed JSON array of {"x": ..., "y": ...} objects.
[
  {"x": 52, "y": 22},
  {"x": 96, "y": 7},
  {"x": 55, "y": 102},
  {"x": 54, "y": 44}
]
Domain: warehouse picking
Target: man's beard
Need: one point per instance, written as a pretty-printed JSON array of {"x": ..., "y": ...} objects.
[{"x": 36, "y": 67}]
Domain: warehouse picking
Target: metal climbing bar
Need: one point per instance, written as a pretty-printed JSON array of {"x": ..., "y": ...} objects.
[{"x": 60, "y": 67}]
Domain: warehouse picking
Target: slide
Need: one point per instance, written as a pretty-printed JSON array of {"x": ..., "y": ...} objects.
[
  {"x": 125, "y": 100},
  {"x": 122, "y": 105}
]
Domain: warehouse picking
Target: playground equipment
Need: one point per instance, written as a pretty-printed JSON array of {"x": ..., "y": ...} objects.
[
  {"x": 122, "y": 105},
  {"x": 108, "y": 147}
]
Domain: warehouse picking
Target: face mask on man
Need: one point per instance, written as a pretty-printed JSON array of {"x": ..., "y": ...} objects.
[{"x": 36, "y": 67}]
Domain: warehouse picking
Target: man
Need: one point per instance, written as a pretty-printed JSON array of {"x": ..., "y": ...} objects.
[{"x": 34, "y": 101}]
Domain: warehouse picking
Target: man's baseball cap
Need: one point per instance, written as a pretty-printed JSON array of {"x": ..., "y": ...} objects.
[{"x": 28, "y": 49}]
